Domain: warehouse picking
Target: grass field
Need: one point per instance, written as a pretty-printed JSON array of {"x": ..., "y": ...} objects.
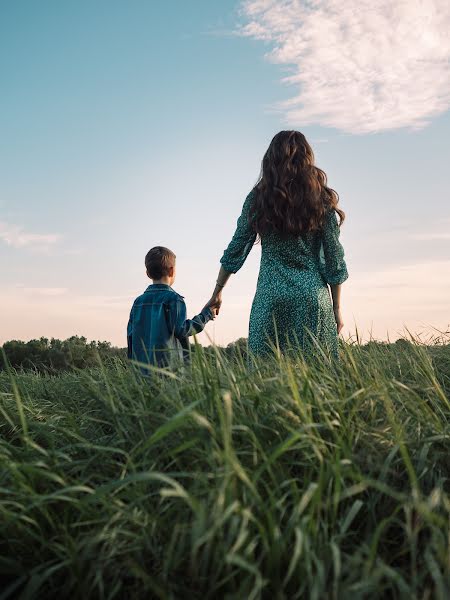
[{"x": 285, "y": 480}]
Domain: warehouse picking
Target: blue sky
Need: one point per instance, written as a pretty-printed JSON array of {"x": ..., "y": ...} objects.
[{"x": 126, "y": 125}]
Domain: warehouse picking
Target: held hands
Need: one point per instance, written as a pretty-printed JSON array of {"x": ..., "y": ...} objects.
[
  {"x": 214, "y": 303},
  {"x": 213, "y": 311}
]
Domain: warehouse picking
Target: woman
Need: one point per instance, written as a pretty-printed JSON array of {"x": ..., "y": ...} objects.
[{"x": 294, "y": 214}]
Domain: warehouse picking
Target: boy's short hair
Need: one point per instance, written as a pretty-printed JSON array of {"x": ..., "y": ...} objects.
[{"x": 158, "y": 262}]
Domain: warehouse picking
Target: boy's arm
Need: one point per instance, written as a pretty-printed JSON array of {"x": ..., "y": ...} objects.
[
  {"x": 129, "y": 336},
  {"x": 185, "y": 327}
]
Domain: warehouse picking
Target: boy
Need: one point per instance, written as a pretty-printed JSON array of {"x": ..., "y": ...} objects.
[{"x": 158, "y": 330}]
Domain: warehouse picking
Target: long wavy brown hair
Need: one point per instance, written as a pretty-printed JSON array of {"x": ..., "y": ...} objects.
[{"x": 291, "y": 196}]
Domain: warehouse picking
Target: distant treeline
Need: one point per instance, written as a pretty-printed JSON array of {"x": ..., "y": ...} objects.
[{"x": 53, "y": 356}]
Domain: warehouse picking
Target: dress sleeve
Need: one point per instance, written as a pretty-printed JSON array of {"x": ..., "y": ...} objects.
[
  {"x": 332, "y": 261},
  {"x": 243, "y": 239}
]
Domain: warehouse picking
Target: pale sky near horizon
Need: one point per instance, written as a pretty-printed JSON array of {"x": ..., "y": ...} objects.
[{"x": 130, "y": 124}]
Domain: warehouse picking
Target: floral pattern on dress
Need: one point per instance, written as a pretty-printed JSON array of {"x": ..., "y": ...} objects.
[{"x": 292, "y": 305}]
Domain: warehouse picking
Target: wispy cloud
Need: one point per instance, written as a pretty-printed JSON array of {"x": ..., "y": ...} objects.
[
  {"x": 17, "y": 237},
  {"x": 360, "y": 66}
]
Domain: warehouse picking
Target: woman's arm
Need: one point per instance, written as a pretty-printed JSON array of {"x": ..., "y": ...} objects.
[
  {"x": 216, "y": 299},
  {"x": 334, "y": 268},
  {"x": 237, "y": 251},
  {"x": 336, "y": 297}
]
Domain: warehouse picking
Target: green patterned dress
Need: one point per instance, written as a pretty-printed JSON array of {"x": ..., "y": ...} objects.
[{"x": 292, "y": 305}]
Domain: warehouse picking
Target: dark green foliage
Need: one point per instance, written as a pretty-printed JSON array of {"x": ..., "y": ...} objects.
[
  {"x": 52, "y": 356},
  {"x": 231, "y": 480}
]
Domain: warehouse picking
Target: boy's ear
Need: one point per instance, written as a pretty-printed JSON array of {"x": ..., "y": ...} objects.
[{"x": 171, "y": 270}]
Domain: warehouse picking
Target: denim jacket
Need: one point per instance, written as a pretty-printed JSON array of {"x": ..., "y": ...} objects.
[{"x": 158, "y": 330}]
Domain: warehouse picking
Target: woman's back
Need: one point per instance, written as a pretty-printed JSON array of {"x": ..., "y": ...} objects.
[
  {"x": 292, "y": 295},
  {"x": 294, "y": 213},
  {"x": 316, "y": 251}
]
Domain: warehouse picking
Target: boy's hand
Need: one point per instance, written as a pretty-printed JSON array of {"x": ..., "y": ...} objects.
[
  {"x": 215, "y": 302},
  {"x": 213, "y": 311}
]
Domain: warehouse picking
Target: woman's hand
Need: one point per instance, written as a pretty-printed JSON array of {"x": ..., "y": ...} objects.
[
  {"x": 215, "y": 302},
  {"x": 338, "y": 319}
]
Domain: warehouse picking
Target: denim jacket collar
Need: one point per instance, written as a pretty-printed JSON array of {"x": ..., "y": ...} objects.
[
  {"x": 161, "y": 286},
  {"x": 158, "y": 286}
]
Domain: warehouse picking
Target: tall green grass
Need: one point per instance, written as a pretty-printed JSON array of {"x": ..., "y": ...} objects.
[{"x": 278, "y": 480}]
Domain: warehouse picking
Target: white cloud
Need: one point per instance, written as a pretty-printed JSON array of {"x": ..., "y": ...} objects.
[
  {"x": 360, "y": 66},
  {"x": 17, "y": 237}
]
